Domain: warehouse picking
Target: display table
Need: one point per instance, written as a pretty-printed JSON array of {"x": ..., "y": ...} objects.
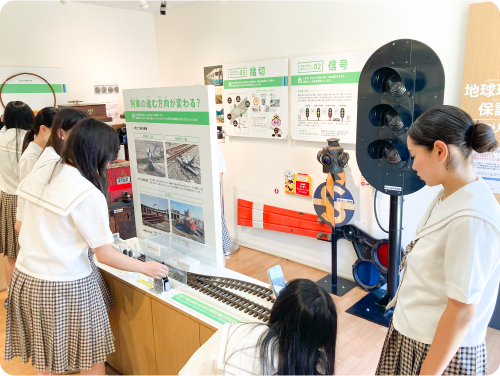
[{"x": 156, "y": 335}]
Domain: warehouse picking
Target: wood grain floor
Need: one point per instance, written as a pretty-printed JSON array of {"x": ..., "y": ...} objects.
[{"x": 359, "y": 342}]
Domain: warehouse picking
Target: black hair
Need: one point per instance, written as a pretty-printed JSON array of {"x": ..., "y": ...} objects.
[
  {"x": 302, "y": 332},
  {"x": 20, "y": 116},
  {"x": 44, "y": 117},
  {"x": 65, "y": 119},
  {"x": 452, "y": 126},
  {"x": 91, "y": 145}
]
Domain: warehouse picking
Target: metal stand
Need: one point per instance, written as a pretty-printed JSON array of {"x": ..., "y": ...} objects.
[
  {"x": 332, "y": 283},
  {"x": 372, "y": 306},
  {"x": 234, "y": 249}
]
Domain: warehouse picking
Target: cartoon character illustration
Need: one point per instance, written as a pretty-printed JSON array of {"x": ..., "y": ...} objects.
[
  {"x": 289, "y": 181},
  {"x": 276, "y": 122}
]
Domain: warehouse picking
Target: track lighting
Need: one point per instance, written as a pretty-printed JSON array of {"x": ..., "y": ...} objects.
[
  {"x": 143, "y": 4},
  {"x": 163, "y": 8}
]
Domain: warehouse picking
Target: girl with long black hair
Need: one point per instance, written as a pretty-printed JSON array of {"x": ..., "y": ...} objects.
[
  {"x": 451, "y": 270},
  {"x": 299, "y": 339},
  {"x": 56, "y": 314},
  {"x": 35, "y": 140},
  {"x": 18, "y": 118}
]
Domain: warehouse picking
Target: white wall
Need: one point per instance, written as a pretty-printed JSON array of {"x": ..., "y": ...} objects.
[
  {"x": 88, "y": 41},
  {"x": 210, "y": 33}
]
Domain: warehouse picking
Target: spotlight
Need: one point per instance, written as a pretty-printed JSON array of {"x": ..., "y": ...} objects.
[
  {"x": 64, "y": 1},
  {"x": 143, "y": 4},
  {"x": 163, "y": 8}
]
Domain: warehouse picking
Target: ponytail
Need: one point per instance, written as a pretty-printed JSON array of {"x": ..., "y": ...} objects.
[
  {"x": 30, "y": 136},
  {"x": 482, "y": 139}
]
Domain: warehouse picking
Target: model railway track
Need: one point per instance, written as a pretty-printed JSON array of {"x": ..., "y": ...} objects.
[
  {"x": 179, "y": 150},
  {"x": 218, "y": 288}
]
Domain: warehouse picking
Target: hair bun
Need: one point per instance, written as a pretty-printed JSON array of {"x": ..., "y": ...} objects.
[{"x": 481, "y": 138}]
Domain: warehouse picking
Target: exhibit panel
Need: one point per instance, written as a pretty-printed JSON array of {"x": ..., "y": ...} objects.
[{"x": 173, "y": 154}]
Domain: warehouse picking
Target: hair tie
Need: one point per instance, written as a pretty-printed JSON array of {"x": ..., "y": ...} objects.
[{"x": 469, "y": 134}]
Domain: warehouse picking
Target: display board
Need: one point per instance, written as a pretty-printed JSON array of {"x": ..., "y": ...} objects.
[
  {"x": 31, "y": 89},
  {"x": 172, "y": 138},
  {"x": 481, "y": 83},
  {"x": 256, "y": 99},
  {"x": 324, "y": 96}
]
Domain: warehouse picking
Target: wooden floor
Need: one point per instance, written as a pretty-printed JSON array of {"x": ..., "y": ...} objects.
[{"x": 359, "y": 341}]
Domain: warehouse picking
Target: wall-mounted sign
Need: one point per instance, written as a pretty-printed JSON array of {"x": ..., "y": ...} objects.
[
  {"x": 256, "y": 99},
  {"x": 324, "y": 96},
  {"x": 298, "y": 184}
]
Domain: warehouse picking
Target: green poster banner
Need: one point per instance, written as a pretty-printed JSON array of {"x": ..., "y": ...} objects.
[
  {"x": 32, "y": 88},
  {"x": 326, "y": 79},
  {"x": 256, "y": 82},
  {"x": 204, "y": 309},
  {"x": 171, "y": 117}
]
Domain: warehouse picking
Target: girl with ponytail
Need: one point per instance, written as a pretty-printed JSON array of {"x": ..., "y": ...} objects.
[
  {"x": 450, "y": 272},
  {"x": 35, "y": 140}
]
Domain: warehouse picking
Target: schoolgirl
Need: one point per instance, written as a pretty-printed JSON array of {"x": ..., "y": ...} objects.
[
  {"x": 62, "y": 124},
  {"x": 450, "y": 272},
  {"x": 35, "y": 140},
  {"x": 56, "y": 314},
  {"x": 18, "y": 118},
  {"x": 300, "y": 339}
]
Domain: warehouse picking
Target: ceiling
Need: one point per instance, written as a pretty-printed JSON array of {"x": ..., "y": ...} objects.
[{"x": 154, "y": 6}]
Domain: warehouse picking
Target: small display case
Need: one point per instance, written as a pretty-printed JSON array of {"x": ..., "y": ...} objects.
[{"x": 180, "y": 253}]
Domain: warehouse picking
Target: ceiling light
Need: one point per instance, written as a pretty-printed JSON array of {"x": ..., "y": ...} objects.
[
  {"x": 65, "y": 1},
  {"x": 163, "y": 8},
  {"x": 143, "y": 4}
]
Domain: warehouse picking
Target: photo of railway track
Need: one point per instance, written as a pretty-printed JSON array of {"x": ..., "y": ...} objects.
[
  {"x": 154, "y": 211},
  {"x": 150, "y": 158},
  {"x": 187, "y": 221},
  {"x": 183, "y": 162}
]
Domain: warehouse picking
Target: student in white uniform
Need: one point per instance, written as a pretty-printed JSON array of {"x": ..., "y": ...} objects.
[
  {"x": 18, "y": 118},
  {"x": 35, "y": 140},
  {"x": 299, "y": 339},
  {"x": 451, "y": 270},
  {"x": 62, "y": 124},
  {"x": 56, "y": 313}
]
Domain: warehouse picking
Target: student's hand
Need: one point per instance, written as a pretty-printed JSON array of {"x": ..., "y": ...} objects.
[
  {"x": 155, "y": 269},
  {"x": 17, "y": 226}
]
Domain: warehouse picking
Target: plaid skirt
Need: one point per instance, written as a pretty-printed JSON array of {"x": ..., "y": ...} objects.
[
  {"x": 404, "y": 356},
  {"x": 60, "y": 325},
  {"x": 106, "y": 294},
  {"x": 9, "y": 238}
]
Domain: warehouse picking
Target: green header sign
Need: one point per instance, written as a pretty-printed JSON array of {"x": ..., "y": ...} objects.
[
  {"x": 32, "y": 88},
  {"x": 170, "y": 117},
  {"x": 204, "y": 309},
  {"x": 256, "y": 82},
  {"x": 326, "y": 79}
]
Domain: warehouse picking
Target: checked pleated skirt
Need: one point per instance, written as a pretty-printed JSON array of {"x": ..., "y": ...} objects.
[
  {"x": 59, "y": 325},
  {"x": 404, "y": 356},
  {"x": 106, "y": 294},
  {"x": 9, "y": 239}
]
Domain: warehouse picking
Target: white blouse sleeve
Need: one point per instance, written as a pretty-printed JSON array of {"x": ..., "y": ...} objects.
[
  {"x": 92, "y": 221},
  {"x": 20, "y": 208},
  {"x": 472, "y": 251},
  {"x": 204, "y": 360},
  {"x": 26, "y": 166}
]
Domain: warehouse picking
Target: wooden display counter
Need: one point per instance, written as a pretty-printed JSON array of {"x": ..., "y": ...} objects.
[{"x": 152, "y": 337}]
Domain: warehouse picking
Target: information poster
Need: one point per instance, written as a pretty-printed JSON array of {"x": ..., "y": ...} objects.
[
  {"x": 31, "y": 89},
  {"x": 481, "y": 84},
  {"x": 256, "y": 99},
  {"x": 172, "y": 139},
  {"x": 325, "y": 96}
]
